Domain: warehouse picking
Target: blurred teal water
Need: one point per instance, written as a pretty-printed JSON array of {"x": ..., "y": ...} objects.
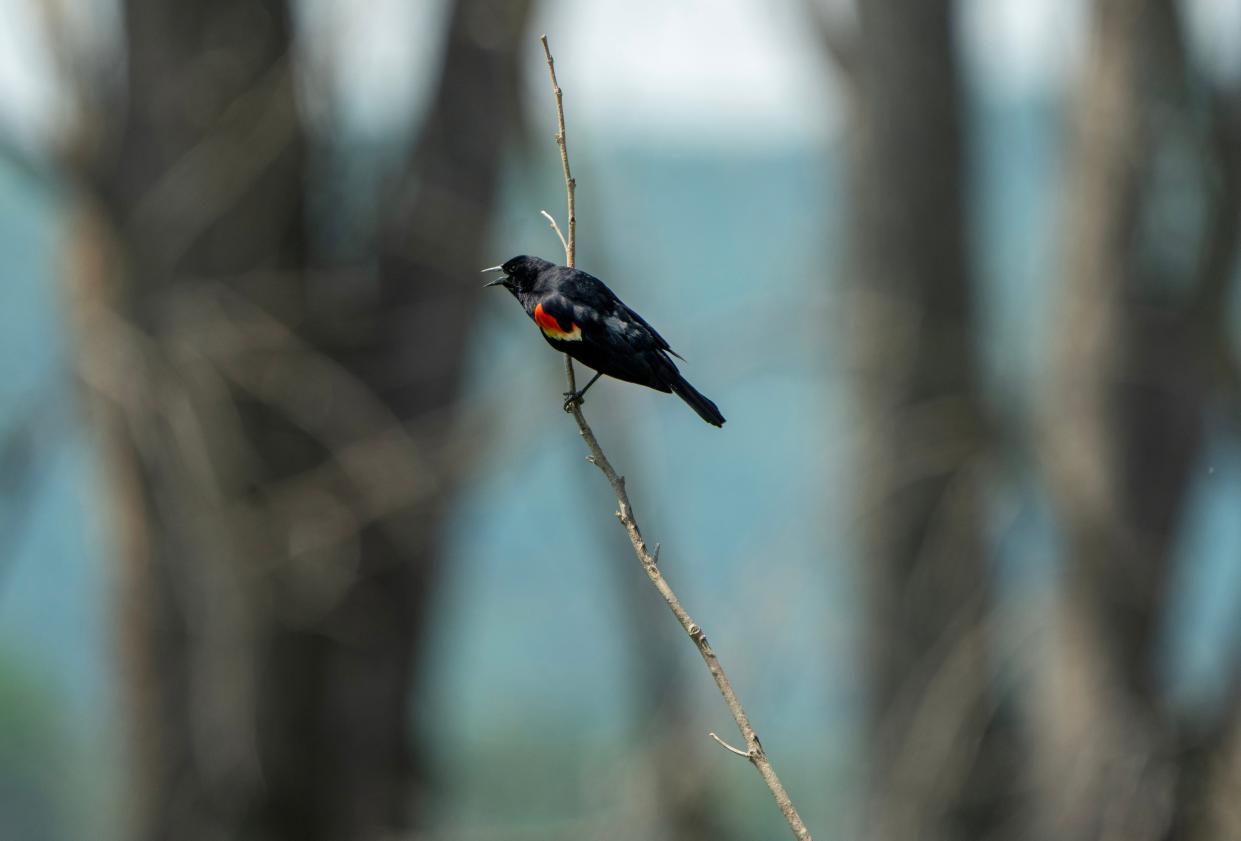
[
  {"x": 735, "y": 259},
  {"x": 56, "y": 709}
]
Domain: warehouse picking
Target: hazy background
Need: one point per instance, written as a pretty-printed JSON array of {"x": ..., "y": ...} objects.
[{"x": 296, "y": 541}]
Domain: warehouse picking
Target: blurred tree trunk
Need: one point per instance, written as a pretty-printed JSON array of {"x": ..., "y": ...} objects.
[
  {"x": 1138, "y": 360},
  {"x": 278, "y": 433},
  {"x": 934, "y": 738}
]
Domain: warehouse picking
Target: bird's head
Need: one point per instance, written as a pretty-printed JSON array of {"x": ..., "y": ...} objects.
[{"x": 519, "y": 274}]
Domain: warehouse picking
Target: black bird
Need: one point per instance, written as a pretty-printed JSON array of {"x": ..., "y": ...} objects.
[{"x": 580, "y": 316}]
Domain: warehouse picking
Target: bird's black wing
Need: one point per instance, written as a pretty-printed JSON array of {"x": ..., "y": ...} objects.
[
  {"x": 660, "y": 341},
  {"x": 606, "y": 302},
  {"x": 605, "y": 338}
]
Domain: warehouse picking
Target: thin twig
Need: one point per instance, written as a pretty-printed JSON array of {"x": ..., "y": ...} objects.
[
  {"x": 754, "y": 749},
  {"x": 743, "y": 754},
  {"x": 552, "y": 219}
]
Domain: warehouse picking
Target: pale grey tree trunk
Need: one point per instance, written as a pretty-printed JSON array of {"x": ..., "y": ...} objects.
[{"x": 1137, "y": 361}]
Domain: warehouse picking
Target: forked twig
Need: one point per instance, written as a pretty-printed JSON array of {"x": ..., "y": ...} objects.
[{"x": 754, "y": 749}]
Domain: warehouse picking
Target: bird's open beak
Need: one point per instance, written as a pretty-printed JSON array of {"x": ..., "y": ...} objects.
[{"x": 498, "y": 281}]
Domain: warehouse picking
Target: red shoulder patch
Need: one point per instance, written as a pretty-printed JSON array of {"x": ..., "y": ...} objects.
[
  {"x": 546, "y": 320},
  {"x": 552, "y": 328}
]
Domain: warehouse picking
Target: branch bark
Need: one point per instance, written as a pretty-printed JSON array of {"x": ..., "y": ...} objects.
[{"x": 754, "y": 751}]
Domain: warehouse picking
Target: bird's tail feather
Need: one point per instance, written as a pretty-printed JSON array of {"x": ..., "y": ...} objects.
[{"x": 706, "y": 410}]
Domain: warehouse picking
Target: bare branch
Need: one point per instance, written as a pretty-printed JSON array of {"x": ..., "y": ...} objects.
[
  {"x": 570, "y": 184},
  {"x": 754, "y": 749}
]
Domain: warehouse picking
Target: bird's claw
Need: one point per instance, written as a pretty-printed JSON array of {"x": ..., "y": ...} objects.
[{"x": 571, "y": 399}]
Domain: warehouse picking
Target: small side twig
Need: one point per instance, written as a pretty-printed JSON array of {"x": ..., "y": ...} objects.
[
  {"x": 754, "y": 749},
  {"x": 552, "y": 220},
  {"x": 744, "y": 754}
]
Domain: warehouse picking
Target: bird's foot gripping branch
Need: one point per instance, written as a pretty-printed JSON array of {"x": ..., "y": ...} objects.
[{"x": 575, "y": 398}]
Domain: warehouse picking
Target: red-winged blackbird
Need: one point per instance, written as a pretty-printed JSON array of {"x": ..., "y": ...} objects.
[{"x": 580, "y": 316}]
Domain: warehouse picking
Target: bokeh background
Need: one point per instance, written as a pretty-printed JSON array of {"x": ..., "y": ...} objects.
[{"x": 297, "y": 543}]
